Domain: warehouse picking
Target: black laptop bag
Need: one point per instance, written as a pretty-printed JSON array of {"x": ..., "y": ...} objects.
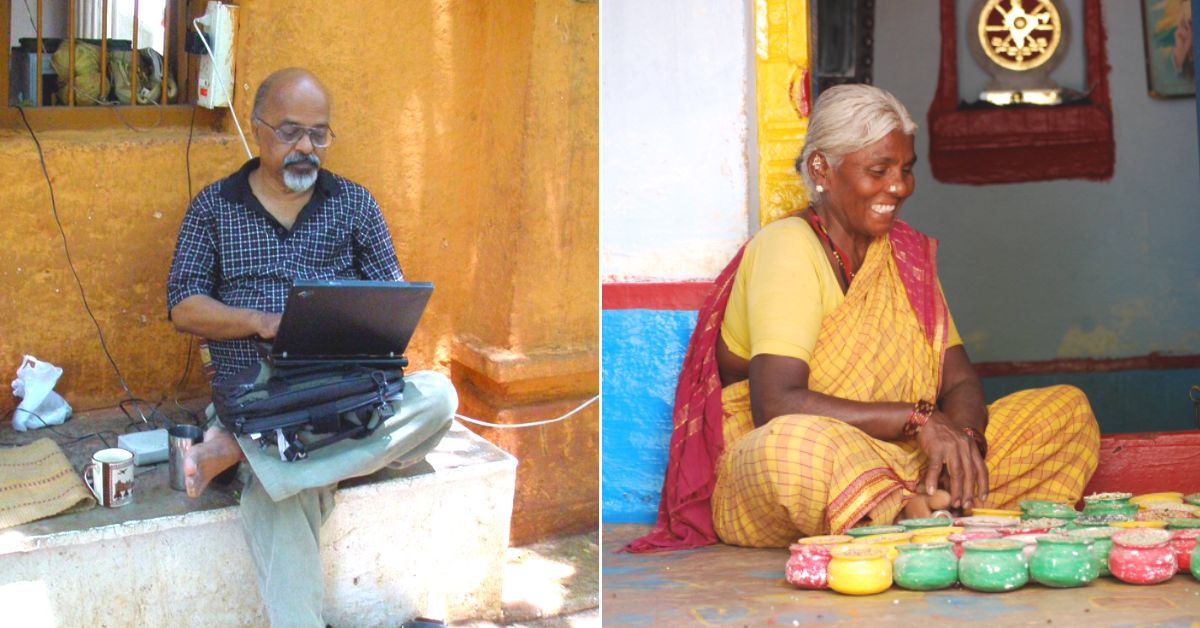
[{"x": 275, "y": 405}]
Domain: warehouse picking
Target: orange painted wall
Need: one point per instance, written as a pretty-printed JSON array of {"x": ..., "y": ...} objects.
[{"x": 473, "y": 123}]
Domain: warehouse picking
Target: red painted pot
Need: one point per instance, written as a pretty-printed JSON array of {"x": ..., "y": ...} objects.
[
  {"x": 1142, "y": 556},
  {"x": 808, "y": 568},
  {"x": 1183, "y": 542},
  {"x": 970, "y": 535}
]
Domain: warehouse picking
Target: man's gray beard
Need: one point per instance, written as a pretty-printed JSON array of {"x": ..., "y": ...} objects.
[{"x": 299, "y": 182}]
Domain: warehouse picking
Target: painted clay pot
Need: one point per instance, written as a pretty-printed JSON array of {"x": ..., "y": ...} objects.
[
  {"x": 1167, "y": 496},
  {"x": 1097, "y": 521},
  {"x": 1195, "y": 560},
  {"x": 1101, "y": 539},
  {"x": 829, "y": 539},
  {"x": 1157, "y": 525},
  {"x": 1038, "y": 509},
  {"x": 1110, "y": 497},
  {"x": 930, "y": 522},
  {"x": 1113, "y": 507},
  {"x": 935, "y": 535},
  {"x": 874, "y": 530},
  {"x": 1183, "y": 524},
  {"x": 859, "y": 569},
  {"x": 986, "y": 521},
  {"x": 1183, "y": 542},
  {"x": 1034, "y": 526},
  {"x": 1142, "y": 556},
  {"x": 993, "y": 565},
  {"x": 970, "y": 535},
  {"x": 808, "y": 568},
  {"x": 1164, "y": 514},
  {"x": 887, "y": 541},
  {"x": 1193, "y": 499},
  {"x": 994, "y": 512},
  {"x": 1169, "y": 505},
  {"x": 1029, "y": 542},
  {"x": 1063, "y": 562},
  {"x": 925, "y": 566}
]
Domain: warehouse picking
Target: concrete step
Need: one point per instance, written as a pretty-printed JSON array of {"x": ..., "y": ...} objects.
[{"x": 429, "y": 540}]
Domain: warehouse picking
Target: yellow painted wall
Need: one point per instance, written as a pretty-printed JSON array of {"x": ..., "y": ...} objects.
[{"x": 473, "y": 123}]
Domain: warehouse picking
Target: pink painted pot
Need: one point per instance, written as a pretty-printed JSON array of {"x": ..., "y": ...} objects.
[
  {"x": 1183, "y": 542},
  {"x": 970, "y": 535},
  {"x": 1142, "y": 556},
  {"x": 808, "y": 568}
]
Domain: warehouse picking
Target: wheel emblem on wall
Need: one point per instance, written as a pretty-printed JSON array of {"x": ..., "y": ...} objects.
[{"x": 1019, "y": 34}]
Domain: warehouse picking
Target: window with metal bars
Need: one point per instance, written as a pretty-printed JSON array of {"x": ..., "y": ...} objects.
[{"x": 92, "y": 63}]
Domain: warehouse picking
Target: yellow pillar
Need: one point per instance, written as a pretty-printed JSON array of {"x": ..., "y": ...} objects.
[{"x": 781, "y": 63}]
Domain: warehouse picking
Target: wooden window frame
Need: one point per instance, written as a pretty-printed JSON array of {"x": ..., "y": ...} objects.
[{"x": 116, "y": 116}]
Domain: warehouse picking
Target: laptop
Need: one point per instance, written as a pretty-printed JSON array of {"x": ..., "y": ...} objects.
[{"x": 366, "y": 322}]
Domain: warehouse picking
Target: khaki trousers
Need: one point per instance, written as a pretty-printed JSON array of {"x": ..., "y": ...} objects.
[{"x": 284, "y": 503}]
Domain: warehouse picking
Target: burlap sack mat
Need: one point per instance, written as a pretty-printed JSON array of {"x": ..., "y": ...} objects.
[{"x": 37, "y": 481}]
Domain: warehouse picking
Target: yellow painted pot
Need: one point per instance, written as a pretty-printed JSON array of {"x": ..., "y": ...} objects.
[
  {"x": 828, "y": 539},
  {"x": 994, "y": 512},
  {"x": 935, "y": 535},
  {"x": 1166, "y": 504},
  {"x": 888, "y": 541},
  {"x": 1168, "y": 496},
  {"x": 1139, "y": 524},
  {"x": 859, "y": 569}
]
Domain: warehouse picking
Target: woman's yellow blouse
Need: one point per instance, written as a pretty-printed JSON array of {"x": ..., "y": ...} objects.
[{"x": 783, "y": 289}]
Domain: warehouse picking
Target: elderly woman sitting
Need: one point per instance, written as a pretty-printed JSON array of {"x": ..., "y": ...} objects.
[{"x": 826, "y": 385}]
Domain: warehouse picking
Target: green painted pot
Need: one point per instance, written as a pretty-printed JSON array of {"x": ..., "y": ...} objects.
[
  {"x": 1109, "y": 508},
  {"x": 1063, "y": 562},
  {"x": 926, "y": 566},
  {"x": 931, "y": 522},
  {"x": 1101, "y": 539},
  {"x": 873, "y": 530},
  {"x": 1097, "y": 521},
  {"x": 1193, "y": 499},
  {"x": 993, "y": 565},
  {"x": 1183, "y": 524},
  {"x": 1196, "y": 562},
  {"x": 1036, "y": 509}
]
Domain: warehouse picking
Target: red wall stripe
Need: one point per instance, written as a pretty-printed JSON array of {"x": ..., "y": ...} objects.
[{"x": 684, "y": 295}]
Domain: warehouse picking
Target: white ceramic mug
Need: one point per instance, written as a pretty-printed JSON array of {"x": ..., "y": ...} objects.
[{"x": 110, "y": 477}]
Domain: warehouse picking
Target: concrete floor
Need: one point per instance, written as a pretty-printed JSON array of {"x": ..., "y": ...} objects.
[{"x": 721, "y": 585}]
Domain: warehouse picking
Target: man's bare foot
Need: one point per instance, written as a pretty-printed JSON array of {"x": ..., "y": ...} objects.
[
  {"x": 207, "y": 459},
  {"x": 923, "y": 506}
]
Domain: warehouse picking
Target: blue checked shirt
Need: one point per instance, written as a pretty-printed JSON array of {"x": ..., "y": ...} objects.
[{"x": 231, "y": 249}]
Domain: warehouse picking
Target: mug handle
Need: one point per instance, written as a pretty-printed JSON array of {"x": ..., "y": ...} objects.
[{"x": 87, "y": 481}]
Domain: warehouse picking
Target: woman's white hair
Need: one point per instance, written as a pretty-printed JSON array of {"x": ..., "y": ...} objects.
[{"x": 848, "y": 118}]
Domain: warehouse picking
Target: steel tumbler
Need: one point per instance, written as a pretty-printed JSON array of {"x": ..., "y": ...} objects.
[{"x": 179, "y": 440}]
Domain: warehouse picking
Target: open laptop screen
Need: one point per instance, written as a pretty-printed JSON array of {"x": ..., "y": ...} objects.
[{"x": 348, "y": 320}]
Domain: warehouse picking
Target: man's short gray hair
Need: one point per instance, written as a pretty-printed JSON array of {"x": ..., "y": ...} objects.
[{"x": 848, "y": 118}]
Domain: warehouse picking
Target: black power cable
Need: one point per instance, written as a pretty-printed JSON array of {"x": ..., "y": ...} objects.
[{"x": 130, "y": 398}]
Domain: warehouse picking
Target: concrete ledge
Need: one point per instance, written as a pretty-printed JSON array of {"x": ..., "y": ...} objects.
[{"x": 429, "y": 540}]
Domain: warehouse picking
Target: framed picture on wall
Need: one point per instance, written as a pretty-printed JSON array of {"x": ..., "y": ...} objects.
[{"x": 1170, "y": 56}]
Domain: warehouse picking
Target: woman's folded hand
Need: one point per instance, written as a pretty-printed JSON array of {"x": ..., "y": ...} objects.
[{"x": 947, "y": 446}]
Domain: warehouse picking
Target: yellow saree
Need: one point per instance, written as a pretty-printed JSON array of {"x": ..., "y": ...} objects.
[{"x": 803, "y": 475}]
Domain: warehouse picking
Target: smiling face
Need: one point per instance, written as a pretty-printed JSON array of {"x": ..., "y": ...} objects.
[{"x": 866, "y": 189}]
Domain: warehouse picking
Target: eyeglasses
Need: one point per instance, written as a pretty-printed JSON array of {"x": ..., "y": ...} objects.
[{"x": 289, "y": 133}]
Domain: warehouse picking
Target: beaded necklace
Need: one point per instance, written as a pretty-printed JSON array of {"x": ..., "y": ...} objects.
[{"x": 838, "y": 253}]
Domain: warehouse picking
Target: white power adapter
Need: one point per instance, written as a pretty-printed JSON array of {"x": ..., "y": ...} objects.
[{"x": 147, "y": 447}]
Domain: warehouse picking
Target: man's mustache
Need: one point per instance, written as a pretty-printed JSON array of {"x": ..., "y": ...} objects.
[{"x": 297, "y": 158}]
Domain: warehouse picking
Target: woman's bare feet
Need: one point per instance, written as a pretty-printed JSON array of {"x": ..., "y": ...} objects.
[
  {"x": 207, "y": 459},
  {"x": 923, "y": 506}
]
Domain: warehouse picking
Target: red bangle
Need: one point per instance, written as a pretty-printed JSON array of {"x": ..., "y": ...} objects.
[
  {"x": 980, "y": 441},
  {"x": 921, "y": 412}
]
